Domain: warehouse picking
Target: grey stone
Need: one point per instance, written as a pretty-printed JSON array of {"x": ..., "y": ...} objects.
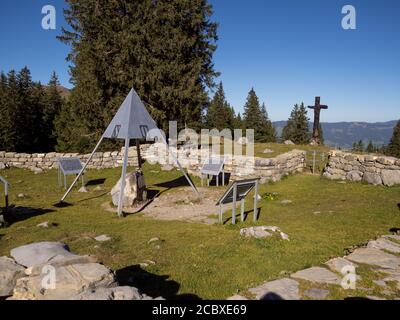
[
  {"x": 390, "y": 177},
  {"x": 384, "y": 244},
  {"x": 337, "y": 264},
  {"x": 21, "y": 196},
  {"x": 316, "y": 293},
  {"x": 116, "y": 293},
  {"x": 40, "y": 253},
  {"x": 102, "y": 238},
  {"x": 167, "y": 167},
  {"x": 354, "y": 176},
  {"x": 2, "y": 166},
  {"x": 237, "y": 297},
  {"x": 70, "y": 281},
  {"x": 282, "y": 289},
  {"x": 43, "y": 224},
  {"x": 155, "y": 239},
  {"x": 36, "y": 170},
  {"x": 317, "y": 275},
  {"x": 9, "y": 273},
  {"x": 268, "y": 151},
  {"x": 83, "y": 189},
  {"x": 286, "y": 201},
  {"x": 256, "y": 232},
  {"x": 374, "y": 257},
  {"x": 289, "y": 142},
  {"x": 380, "y": 283},
  {"x": 130, "y": 190},
  {"x": 372, "y": 178}
]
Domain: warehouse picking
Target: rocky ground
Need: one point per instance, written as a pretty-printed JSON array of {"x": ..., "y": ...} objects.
[
  {"x": 49, "y": 271},
  {"x": 381, "y": 258}
]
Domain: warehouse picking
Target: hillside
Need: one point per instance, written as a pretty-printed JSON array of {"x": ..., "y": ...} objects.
[{"x": 343, "y": 134}]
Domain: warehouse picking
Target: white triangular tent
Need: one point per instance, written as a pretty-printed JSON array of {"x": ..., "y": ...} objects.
[{"x": 132, "y": 121}]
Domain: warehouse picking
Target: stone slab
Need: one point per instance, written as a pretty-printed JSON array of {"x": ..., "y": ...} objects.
[
  {"x": 317, "y": 275},
  {"x": 374, "y": 257},
  {"x": 282, "y": 289}
]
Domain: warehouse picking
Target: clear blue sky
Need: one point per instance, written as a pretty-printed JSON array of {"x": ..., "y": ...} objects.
[{"x": 288, "y": 50}]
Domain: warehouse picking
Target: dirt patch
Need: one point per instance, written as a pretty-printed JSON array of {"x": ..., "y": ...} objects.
[{"x": 181, "y": 204}]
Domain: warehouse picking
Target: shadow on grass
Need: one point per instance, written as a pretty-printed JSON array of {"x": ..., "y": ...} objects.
[
  {"x": 17, "y": 214},
  {"x": 176, "y": 183},
  {"x": 151, "y": 284},
  {"x": 95, "y": 182},
  {"x": 246, "y": 214}
]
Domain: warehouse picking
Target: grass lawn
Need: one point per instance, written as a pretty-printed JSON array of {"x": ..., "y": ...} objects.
[{"x": 195, "y": 260}]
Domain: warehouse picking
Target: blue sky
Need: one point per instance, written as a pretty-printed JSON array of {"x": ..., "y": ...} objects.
[{"x": 288, "y": 50}]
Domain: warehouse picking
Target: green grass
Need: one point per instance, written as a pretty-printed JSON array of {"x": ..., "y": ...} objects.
[{"x": 205, "y": 261}]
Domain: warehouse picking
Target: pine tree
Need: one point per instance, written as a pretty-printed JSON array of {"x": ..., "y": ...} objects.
[
  {"x": 296, "y": 128},
  {"x": 256, "y": 117},
  {"x": 220, "y": 114},
  {"x": 52, "y": 106},
  {"x": 162, "y": 48},
  {"x": 370, "y": 147},
  {"x": 393, "y": 148},
  {"x": 360, "y": 146}
]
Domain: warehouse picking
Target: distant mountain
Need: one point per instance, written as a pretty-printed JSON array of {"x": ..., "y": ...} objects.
[{"x": 343, "y": 134}]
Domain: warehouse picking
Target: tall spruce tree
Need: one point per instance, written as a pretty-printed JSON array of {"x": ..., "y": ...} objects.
[
  {"x": 220, "y": 114},
  {"x": 296, "y": 128},
  {"x": 256, "y": 117},
  {"x": 162, "y": 48},
  {"x": 370, "y": 147},
  {"x": 393, "y": 148}
]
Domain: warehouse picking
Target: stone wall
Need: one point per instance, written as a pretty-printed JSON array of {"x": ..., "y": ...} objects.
[
  {"x": 44, "y": 161},
  {"x": 238, "y": 166},
  {"x": 376, "y": 170},
  {"x": 191, "y": 158}
]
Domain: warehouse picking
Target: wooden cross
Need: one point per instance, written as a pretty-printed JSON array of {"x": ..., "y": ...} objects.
[{"x": 317, "y": 110}]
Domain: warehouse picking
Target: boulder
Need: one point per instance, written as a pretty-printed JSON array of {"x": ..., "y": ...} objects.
[
  {"x": 256, "y": 232},
  {"x": 41, "y": 253},
  {"x": 9, "y": 273},
  {"x": 372, "y": 178},
  {"x": 390, "y": 177},
  {"x": 354, "y": 176},
  {"x": 2, "y": 166},
  {"x": 130, "y": 191},
  {"x": 69, "y": 282}
]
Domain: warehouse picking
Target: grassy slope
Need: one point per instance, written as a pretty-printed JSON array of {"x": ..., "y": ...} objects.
[{"x": 207, "y": 261}]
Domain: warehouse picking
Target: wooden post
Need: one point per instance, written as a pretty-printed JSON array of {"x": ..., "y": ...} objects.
[{"x": 138, "y": 154}]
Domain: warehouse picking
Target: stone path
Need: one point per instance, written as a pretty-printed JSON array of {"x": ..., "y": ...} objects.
[{"x": 380, "y": 259}]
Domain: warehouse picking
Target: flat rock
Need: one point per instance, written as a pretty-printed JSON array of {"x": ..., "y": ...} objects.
[
  {"x": 392, "y": 236},
  {"x": 317, "y": 275},
  {"x": 40, "y": 253},
  {"x": 266, "y": 151},
  {"x": 282, "y": 289},
  {"x": 70, "y": 281},
  {"x": 375, "y": 257},
  {"x": 288, "y": 142},
  {"x": 286, "y": 201},
  {"x": 9, "y": 273},
  {"x": 116, "y": 293},
  {"x": 102, "y": 238},
  {"x": 316, "y": 293},
  {"x": 256, "y": 232},
  {"x": 385, "y": 244},
  {"x": 337, "y": 264}
]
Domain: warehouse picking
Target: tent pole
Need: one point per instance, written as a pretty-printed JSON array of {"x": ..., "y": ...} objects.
[
  {"x": 83, "y": 169},
  {"x": 123, "y": 175}
]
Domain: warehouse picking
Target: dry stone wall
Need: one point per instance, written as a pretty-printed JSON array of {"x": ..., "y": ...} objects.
[
  {"x": 191, "y": 159},
  {"x": 377, "y": 170}
]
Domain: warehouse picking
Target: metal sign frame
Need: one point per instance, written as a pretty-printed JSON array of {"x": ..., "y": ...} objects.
[
  {"x": 236, "y": 194},
  {"x": 220, "y": 163},
  {"x": 65, "y": 171}
]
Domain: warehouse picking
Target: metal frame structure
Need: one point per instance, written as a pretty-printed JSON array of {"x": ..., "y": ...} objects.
[
  {"x": 65, "y": 172},
  {"x": 216, "y": 161},
  {"x": 238, "y": 191},
  {"x": 132, "y": 121},
  {"x": 6, "y": 186}
]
